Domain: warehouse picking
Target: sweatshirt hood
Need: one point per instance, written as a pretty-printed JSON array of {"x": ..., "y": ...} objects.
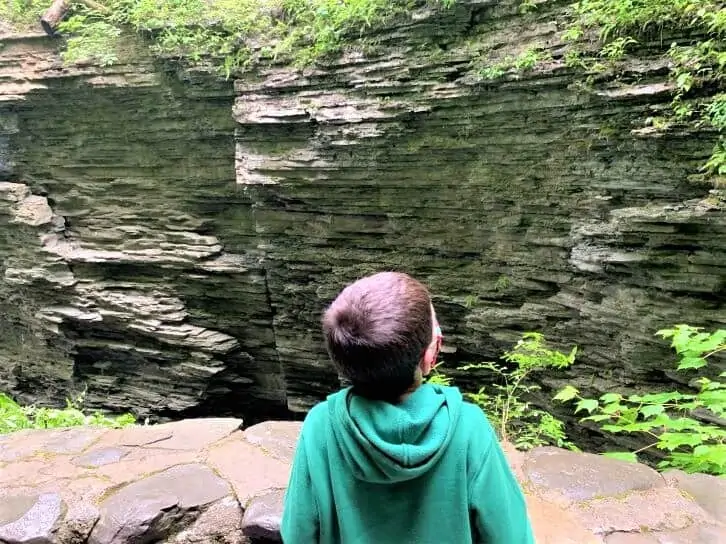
[{"x": 388, "y": 443}]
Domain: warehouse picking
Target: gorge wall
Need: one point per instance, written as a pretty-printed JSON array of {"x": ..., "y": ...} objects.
[{"x": 168, "y": 240}]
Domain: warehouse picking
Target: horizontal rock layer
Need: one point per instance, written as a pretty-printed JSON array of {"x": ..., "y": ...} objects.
[
  {"x": 204, "y": 480},
  {"x": 112, "y": 266},
  {"x": 169, "y": 241}
]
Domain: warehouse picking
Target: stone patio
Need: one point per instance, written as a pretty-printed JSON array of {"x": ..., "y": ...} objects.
[{"x": 207, "y": 481}]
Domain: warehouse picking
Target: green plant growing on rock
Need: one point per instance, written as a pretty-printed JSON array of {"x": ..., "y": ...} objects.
[
  {"x": 22, "y": 13},
  {"x": 698, "y": 62},
  {"x": 670, "y": 419},
  {"x": 229, "y": 34},
  {"x": 527, "y": 6},
  {"x": 515, "y": 419},
  {"x": 503, "y": 283},
  {"x": 14, "y": 417},
  {"x": 523, "y": 62}
]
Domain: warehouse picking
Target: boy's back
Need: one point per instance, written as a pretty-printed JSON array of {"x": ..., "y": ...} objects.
[
  {"x": 426, "y": 470},
  {"x": 390, "y": 459}
]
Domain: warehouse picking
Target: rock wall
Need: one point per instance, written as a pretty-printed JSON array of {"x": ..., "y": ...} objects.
[
  {"x": 169, "y": 240},
  {"x": 205, "y": 481},
  {"x": 112, "y": 267}
]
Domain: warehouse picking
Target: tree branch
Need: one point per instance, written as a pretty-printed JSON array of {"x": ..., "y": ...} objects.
[{"x": 53, "y": 16}]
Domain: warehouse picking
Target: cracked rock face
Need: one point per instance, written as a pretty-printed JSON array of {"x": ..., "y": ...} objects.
[
  {"x": 169, "y": 241},
  {"x": 113, "y": 274},
  {"x": 150, "y": 509}
]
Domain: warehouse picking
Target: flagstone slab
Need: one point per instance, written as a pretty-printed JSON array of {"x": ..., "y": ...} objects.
[{"x": 158, "y": 506}]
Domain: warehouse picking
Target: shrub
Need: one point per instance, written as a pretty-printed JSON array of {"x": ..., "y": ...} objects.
[
  {"x": 226, "y": 33},
  {"x": 669, "y": 420},
  {"x": 14, "y": 417},
  {"x": 515, "y": 419}
]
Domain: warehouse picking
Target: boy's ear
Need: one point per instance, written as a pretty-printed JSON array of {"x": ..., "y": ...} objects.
[{"x": 427, "y": 361}]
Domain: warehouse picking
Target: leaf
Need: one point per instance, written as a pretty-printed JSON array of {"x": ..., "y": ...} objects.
[
  {"x": 640, "y": 427},
  {"x": 615, "y": 429},
  {"x": 567, "y": 393},
  {"x": 609, "y": 398},
  {"x": 612, "y": 408},
  {"x": 691, "y": 362},
  {"x": 671, "y": 441},
  {"x": 712, "y": 341},
  {"x": 587, "y": 404},
  {"x": 657, "y": 398},
  {"x": 713, "y": 454},
  {"x": 622, "y": 456},
  {"x": 680, "y": 424},
  {"x": 651, "y": 410}
]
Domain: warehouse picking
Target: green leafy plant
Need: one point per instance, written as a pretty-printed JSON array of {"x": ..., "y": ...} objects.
[
  {"x": 717, "y": 163},
  {"x": 14, "y": 417},
  {"x": 523, "y": 62},
  {"x": 22, "y": 13},
  {"x": 616, "y": 49},
  {"x": 515, "y": 419},
  {"x": 503, "y": 283},
  {"x": 669, "y": 419},
  {"x": 229, "y": 34},
  {"x": 697, "y": 65},
  {"x": 527, "y": 6}
]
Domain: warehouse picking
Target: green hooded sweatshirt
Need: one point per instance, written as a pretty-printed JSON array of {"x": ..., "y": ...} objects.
[{"x": 426, "y": 471}]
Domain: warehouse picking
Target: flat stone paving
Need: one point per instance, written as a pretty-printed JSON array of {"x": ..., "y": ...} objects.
[{"x": 206, "y": 481}]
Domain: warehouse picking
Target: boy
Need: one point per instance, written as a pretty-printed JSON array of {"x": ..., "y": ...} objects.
[{"x": 390, "y": 459}]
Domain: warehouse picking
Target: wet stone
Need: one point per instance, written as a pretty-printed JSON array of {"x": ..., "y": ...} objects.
[
  {"x": 554, "y": 523},
  {"x": 249, "y": 469},
  {"x": 583, "y": 476},
  {"x": 631, "y": 538},
  {"x": 651, "y": 510},
  {"x": 279, "y": 438},
  {"x": 100, "y": 457},
  {"x": 143, "y": 436},
  {"x": 27, "y": 519},
  {"x": 263, "y": 516},
  {"x": 697, "y": 534},
  {"x": 158, "y": 506}
]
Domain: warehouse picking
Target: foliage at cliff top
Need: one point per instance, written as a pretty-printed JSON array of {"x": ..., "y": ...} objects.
[
  {"x": 14, "y": 417},
  {"x": 228, "y": 32},
  {"x": 694, "y": 31}
]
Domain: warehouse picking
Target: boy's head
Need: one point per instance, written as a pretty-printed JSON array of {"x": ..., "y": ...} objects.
[{"x": 380, "y": 332}]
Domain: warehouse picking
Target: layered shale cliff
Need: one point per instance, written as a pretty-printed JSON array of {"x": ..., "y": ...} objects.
[{"x": 169, "y": 240}]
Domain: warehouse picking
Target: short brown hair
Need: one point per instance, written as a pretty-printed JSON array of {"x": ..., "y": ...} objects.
[{"x": 376, "y": 332}]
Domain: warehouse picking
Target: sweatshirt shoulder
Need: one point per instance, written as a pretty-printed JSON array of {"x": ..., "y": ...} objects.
[
  {"x": 318, "y": 413},
  {"x": 475, "y": 423},
  {"x": 316, "y": 420}
]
